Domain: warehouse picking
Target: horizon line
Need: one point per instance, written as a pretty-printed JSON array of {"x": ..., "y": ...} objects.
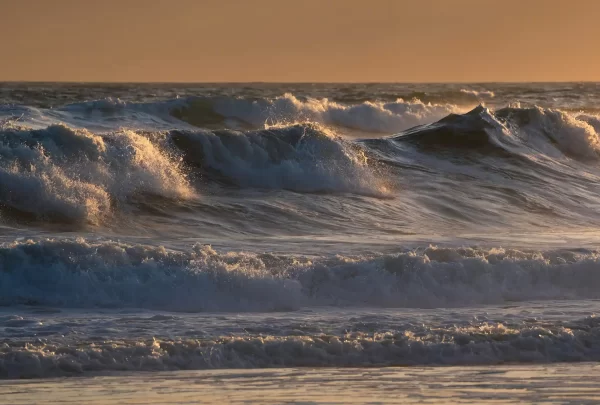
[{"x": 294, "y": 82}]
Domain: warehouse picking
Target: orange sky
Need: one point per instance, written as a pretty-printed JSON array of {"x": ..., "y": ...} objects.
[{"x": 300, "y": 40}]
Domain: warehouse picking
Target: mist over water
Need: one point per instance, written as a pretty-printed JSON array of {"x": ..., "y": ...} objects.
[{"x": 167, "y": 200}]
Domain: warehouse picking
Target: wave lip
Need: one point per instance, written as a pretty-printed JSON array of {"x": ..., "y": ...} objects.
[{"x": 550, "y": 131}]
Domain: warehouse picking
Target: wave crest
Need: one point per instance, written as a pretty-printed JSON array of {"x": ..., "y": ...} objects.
[
  {"x": 60, "y": 173},
  {"x": 370, "y": 116},
  {"x": 305, "y": 158},
  {"x": 572, "y": 134},
  {"x": 516, "y": 131}
]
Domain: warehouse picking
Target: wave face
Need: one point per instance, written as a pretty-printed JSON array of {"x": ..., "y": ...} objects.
[
  {"x": 291, "y": 157},
  {"x": 547, "y": 133},
  {"x": 167, "y": 227}
]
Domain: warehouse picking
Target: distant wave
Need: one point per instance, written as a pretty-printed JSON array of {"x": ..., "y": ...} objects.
[
  {"x": 479, "y": 94},
  {"x": 572, "y": 133},
  {"x": 371, "y": 116},
  {"x": 247, "y": 113},
  {"x": 479, "y": 130},
  {"x": 82, "y": 274}
]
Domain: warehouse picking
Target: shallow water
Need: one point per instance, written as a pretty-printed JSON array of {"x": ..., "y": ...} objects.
[{"x": 505, "y": 384}]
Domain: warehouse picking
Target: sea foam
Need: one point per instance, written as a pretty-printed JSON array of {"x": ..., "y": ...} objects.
[
  {"x": 478, "y": 343},
  {"x": 74, "y": 175},
  {"x": 79, "y": 273}
]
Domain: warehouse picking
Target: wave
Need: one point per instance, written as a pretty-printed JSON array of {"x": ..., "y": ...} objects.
[
  {"x": 477, "y": 130},
  {"x": 461, "y": 98},
  {"x": 370, "y": 116},
  {"x": 106, "y": 105},
  {"x": 305, "y": 158},
  {"x": 516, "y": 131},
  {"x": 479, "y": 94},
  {"x": 548, "y": 130},
  {"x": 540, "y": 130},
  {"x": 247, "y": 113},
  {"x": 480, "y": 343},
  {"x": 85, "y": 274},
  {"x": 544, "y": 130},
  {"x": 90, "y": 274},
  {"x": 64, "y": 174}
]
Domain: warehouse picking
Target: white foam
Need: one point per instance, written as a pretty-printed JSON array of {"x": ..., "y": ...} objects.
[
  {"x": 593, "y": 120},
  {"x": 480, "y": 343},
  {"x": 479, "y": 94},
  {"x": 78, "y": 175},
  {"x": 78, "y": 273},
  {"x": 371, "y": 116},
  {"x": 87, "y": 274},
  {"x": 571, "y": 134}
]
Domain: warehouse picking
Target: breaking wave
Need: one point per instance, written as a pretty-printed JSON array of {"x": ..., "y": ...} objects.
[
  {"x": 68, "y": 175},
  {"x": 524, "y": 131},
  {"x": 237, "y": 112},
  {"x": 370, "y": 116},
  {"x": 480, "y": 343},
  {"x": 63, "y": 174},
  {"x": 86, "y": 274},
  {"x": 299, "y": 157},
  {"x": 479, "y": 94}
]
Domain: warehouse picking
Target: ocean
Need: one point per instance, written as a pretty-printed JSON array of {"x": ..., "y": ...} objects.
[{"x": 174, "y": 227}]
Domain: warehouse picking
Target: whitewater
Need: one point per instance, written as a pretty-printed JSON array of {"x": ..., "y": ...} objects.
[{"x": 168, "y": 228}]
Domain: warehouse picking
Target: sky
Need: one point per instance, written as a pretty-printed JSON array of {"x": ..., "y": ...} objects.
[{"x": 300, "y": 40}]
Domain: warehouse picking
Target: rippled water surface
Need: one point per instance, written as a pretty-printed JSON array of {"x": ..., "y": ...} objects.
[{"x": 174, "y": 227}]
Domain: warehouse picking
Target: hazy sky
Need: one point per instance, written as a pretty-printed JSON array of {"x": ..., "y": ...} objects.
[{"x": 300, "y": 40}]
